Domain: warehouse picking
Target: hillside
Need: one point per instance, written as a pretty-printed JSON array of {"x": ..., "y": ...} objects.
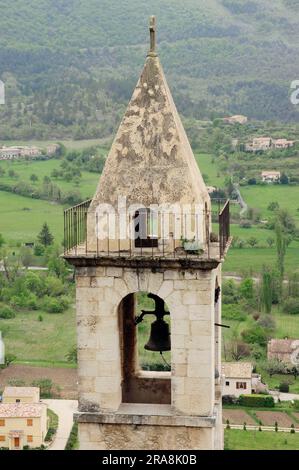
[{"x": 70, "y": 67}]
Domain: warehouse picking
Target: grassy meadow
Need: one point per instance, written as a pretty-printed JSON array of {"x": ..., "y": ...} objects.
[
  {"x": 34, "y": 341},
  {"x": 235, "y": 439}
]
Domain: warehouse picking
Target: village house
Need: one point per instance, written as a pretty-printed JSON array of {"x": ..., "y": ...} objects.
[
  {"x": 283, "y": 143},
  {"x": 262, "y": 144},
  {"x": 270, "y": 176},
  {"x": 240, "y": 380},
  {"x": 259, "y": 144},
  {"x": 285, "y": 350},
  {"x": 11, "y": 153},
  {"x": 237, "y": 119},
  {"x": 23, "y": 419}
]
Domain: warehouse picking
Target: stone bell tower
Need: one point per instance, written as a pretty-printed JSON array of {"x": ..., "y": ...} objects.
[{"x": 148, "y": 229}]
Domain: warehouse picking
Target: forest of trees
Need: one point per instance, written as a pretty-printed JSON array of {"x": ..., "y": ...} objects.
[{"x": 70, "y": 67}]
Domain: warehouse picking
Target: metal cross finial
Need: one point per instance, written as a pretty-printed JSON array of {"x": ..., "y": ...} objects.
[{"x": 152, "y": 29}]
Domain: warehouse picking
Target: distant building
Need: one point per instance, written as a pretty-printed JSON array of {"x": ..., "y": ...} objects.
[
  {"x": 259, "y": 144},
  {"x": 237, "y": 119},
  {"x": 283, "y": 143},
  {"x": 11, "y": 153},
  {"x": 240, "y": 380},
  {"x": 23, "y": 419},
  {"x": 262, "y": 144},
  {"x": 270, "y": 176},
  {"x": 285, "y": 350}
]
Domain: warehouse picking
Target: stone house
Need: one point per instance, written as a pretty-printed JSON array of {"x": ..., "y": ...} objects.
[
  {"x": 283, "y": 143},
  {"x": 23, "y": 419},
  {"x": 270, "y": 176},
  {"x": 285, "y": 350},
  {"x": 240, "y": 380},
  {"x": 237, "y": 119}
]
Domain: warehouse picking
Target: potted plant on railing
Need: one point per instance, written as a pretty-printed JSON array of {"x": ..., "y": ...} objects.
[{"x": 192, "y": 246}]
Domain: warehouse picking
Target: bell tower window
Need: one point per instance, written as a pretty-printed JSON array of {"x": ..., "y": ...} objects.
[
  {"x": 146, "y": 228},
  {"x": 146, "y": 349}
]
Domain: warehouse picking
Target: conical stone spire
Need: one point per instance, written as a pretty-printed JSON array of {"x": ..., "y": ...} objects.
[{"x": 151, "y": 161}]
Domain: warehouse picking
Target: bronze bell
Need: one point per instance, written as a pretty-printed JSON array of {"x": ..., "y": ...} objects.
[{"x": 159, "y": 339}]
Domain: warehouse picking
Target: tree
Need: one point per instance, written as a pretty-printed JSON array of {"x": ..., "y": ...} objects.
[
  {"x": 280, "y": 247},
  {"x": 274, "y": 366},
  {"x": 266, "y": 290},
  {"x": 34, "y": 178},
  {"x": 45, "y": 237},
  {"x": 247, "y": 288}
]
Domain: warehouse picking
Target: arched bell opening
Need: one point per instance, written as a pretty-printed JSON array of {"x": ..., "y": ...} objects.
[{"x": 145, "y": 349}]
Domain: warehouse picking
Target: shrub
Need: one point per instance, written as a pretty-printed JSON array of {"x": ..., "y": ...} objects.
[
  {"x": 39, "y": 249},
  {"x": 230, "y": 400},
  {"x": 230, "y": 292},
  {"x": 6, "y": 313},
  {"x": 255, "y": 335},
  {"x": 292, "y": 429},
  {"x": 247, "y": 288},
  {"x": 53, "y": 425},
  {"x": 291, "y": 306},
  {"x": 46, "y": 387},
  {"x": 267, "y": 321},
  {"x": 233, "y": 312},
  {"x": 34, "y": 283},
  {"x": 73, "y": 438},
  {"x": 54, "y": 286},
  {"x": 52, "y": 305},
  {"x": 284, "y": 387},
  {"x": 259, "y": 401}
]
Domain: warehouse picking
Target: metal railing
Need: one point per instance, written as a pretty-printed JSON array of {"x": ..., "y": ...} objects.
[
  {"x": 75, "y": 225},
  {"x": 75, "y": 235}
]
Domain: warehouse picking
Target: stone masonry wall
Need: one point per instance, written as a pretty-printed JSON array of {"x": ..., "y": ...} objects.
[
  {"x": 120, "y": 437},
  {"x": 190, "y": 299}
]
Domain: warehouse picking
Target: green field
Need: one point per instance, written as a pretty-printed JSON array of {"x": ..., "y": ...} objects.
[
  {"x": 260, "y": 196},
  {"x": 235, "y": 439},
  {"x": 21, "y": 218},
  {"x": 31, "y": 340},
  {"x": 87, "y": 185}
]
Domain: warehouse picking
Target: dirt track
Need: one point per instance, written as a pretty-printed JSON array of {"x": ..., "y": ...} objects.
[{"x": 66, "y": 379}]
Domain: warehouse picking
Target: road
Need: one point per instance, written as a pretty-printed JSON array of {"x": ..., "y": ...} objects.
[{"x": 64, "y": 409}]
